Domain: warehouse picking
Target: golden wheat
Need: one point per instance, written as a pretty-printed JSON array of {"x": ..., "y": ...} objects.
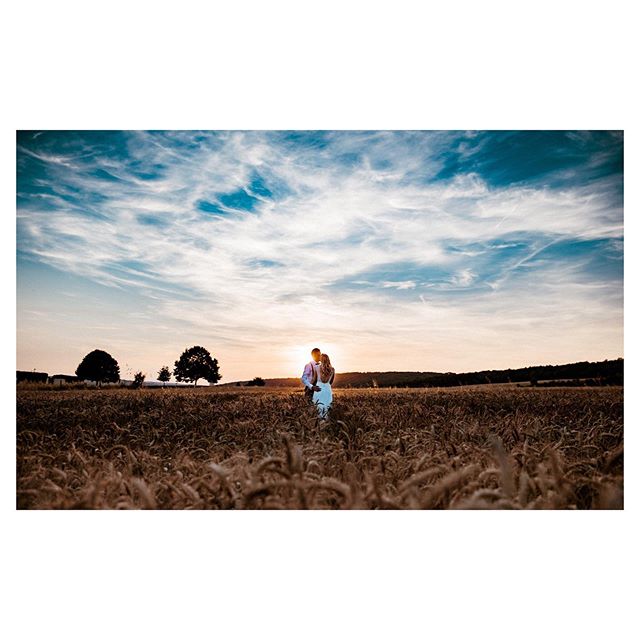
[{"x": 468, "y": 448}]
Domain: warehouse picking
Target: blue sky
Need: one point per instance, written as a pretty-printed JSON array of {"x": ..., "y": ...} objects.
[{"x": 391, "y": 250}]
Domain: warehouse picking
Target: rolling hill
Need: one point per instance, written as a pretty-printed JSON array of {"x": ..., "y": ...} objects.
[{"x": 606, "y": 372}]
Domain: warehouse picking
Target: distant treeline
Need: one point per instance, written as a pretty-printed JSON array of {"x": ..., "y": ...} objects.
[{"x": 607, "y": 372}]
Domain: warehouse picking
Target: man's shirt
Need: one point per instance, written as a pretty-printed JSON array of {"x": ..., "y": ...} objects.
[{"x": 308, "y": 373}]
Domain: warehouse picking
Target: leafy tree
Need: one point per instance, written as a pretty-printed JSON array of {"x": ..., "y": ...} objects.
[
  {"x": 138, "y": 379},
  {"x": 164, "y": 375},
  {"x": 256, "y": 382},
  {"x": 196, "y": 363},
  {"x": 98, "y": 366}
]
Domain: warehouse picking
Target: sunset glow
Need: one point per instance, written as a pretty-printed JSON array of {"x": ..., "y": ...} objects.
[{"x": 389, "y": 250}]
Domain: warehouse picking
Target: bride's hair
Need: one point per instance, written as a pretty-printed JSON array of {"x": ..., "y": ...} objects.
[{"x": 326, "y": 370}]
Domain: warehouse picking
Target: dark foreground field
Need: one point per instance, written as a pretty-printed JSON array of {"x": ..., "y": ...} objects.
[{"x": 483, "y": 447}]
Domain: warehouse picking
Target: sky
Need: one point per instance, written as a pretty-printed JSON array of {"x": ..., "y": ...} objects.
[{"x": 389, "y": 250}]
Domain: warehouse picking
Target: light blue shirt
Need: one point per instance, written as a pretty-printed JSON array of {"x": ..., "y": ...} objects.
[{"x": 307, "y": 373}]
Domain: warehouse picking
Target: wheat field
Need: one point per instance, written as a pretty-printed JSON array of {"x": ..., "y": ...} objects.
[{"x": 489, "y": 447}]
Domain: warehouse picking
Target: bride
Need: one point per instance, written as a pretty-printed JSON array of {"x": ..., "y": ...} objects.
[{"x": 322, "y": 379}]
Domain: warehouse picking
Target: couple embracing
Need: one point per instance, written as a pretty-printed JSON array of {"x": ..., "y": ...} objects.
[{"x": 317, "y": 378}]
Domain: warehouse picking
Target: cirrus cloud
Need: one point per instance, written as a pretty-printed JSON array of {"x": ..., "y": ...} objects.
[{"x": 403, "y": 250}]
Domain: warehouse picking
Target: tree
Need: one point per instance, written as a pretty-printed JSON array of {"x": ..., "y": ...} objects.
[
  {"x": 138, "y": 379},
  {"x": 98, "y": 366},
  {"x": 164, "y": 375},
  {"x": 196, "y": 363},
  {"x": 256, "y": 382}
]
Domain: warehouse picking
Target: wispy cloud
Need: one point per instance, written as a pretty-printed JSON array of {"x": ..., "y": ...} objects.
[
  {"x": 257, "y": 242},
  {"x": 406, "y": 284}
]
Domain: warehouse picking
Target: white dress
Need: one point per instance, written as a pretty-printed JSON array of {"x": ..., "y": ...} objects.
[{"x": 324, "y": 397}]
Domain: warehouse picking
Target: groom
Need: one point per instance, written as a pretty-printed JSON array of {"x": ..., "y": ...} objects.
[{"x": 308, "y": 373}]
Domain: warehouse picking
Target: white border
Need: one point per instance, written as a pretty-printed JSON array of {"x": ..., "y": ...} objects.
[{"x": 288, "y": 65}]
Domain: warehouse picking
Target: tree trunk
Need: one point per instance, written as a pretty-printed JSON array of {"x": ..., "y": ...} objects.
[{"x": 195, "y": 382}]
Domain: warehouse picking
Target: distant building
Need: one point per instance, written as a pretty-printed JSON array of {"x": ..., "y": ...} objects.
[
  {"x": 31, "y": 376},
  {"x": 60, "y": 379}
]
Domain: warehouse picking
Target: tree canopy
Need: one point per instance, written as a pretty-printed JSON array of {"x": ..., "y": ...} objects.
[
  {"x": 98, "y": 366},
  {"x": 196, "y": 363},
  {"x": 138, "y": 379},
  {"x": 164, "y": 375}
]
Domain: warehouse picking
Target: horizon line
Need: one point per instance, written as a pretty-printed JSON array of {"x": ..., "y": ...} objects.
[{"x": 528, "y": 366}]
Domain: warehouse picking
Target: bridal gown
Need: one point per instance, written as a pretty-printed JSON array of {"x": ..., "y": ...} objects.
[{"x": 323, "y": 398}]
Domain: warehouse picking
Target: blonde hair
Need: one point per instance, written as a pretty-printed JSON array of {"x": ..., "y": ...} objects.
[{"x": 326, "y": 370}]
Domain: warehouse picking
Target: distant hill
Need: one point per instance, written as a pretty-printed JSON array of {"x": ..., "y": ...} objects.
[{"x": 606, "y": 372}]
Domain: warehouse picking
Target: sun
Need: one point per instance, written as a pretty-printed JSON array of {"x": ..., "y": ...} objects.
[{"x": 299, "y": 355}]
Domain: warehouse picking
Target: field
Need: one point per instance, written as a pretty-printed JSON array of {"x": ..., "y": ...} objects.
[{"x": 465, "y": 448}]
